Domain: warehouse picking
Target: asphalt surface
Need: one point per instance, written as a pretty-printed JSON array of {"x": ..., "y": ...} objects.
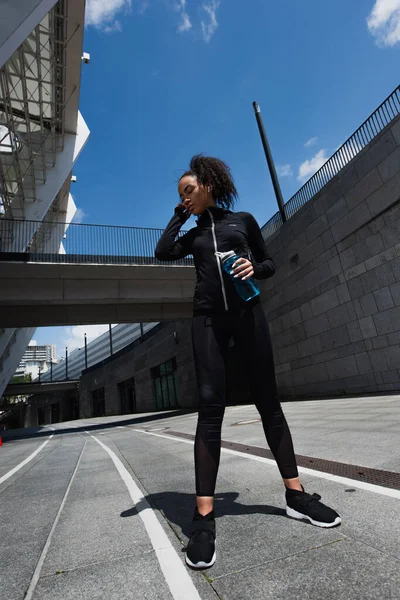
[{"x": 99, "y": 509}]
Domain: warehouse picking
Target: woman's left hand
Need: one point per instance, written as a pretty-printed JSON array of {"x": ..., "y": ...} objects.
[{"x": 243, "y": 269}]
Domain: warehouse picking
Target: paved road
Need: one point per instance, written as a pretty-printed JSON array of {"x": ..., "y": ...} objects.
[{"x": 98, "y": 509}]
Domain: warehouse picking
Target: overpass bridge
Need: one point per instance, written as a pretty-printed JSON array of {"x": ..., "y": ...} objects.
[{"x": 107, "y": 275}]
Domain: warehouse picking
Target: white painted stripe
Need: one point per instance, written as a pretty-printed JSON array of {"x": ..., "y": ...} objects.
[
  {"x": 175, "y": 573},
  {"x": 24, "y": 462},
  {"x": 36, "y": 574},
  {"x": 362, "y": 485}
]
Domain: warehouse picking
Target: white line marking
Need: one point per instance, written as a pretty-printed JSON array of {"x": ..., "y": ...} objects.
[
  {"x": 24, "y": 462},
  {"x": 36, "y": 574},
  {"x": 370, "y": 487},
  {"x": 175, "y": 573}
]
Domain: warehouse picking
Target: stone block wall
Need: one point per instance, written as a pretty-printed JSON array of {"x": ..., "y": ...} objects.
[
  {"x": 137, "y": 361},
  {"x": 334, "y": 302}
]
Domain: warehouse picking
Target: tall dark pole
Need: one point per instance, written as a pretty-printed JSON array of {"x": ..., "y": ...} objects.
[
  {"x": 268, "y": 155},
  {"x": 85, "y": 351},
  {"x": 111, "y": 348},
  {"x": 51, "y": 369},
  {"x": 66, "y": 363}
]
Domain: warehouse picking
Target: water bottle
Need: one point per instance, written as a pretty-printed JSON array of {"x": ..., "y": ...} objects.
[{"x": 247, "y": 289}]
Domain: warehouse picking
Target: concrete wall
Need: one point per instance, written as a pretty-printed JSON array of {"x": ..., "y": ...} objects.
[
  {"x": 334, "y": 303},
  {"x": 65, "y": 401},
  {"x": 136, "y": 361}
]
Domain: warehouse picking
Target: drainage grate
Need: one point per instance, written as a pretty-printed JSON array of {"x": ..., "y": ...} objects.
[{"x": 387, "y": 479}]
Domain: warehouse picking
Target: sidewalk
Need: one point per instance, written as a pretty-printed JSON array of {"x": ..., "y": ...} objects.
[{"x": 72, "y": 501}]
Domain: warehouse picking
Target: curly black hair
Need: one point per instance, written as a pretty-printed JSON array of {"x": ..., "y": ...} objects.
[{"x": 215, "y": 173}]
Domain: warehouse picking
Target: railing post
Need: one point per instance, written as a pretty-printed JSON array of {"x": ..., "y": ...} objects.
[
  {"x": 111, "y": 345},
  {"x": 268, "y": 155},
  {"x": 85, "y": 351}
]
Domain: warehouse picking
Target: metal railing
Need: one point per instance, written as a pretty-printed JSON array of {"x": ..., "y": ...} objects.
[
  {"x": 380, "y": 118},
  {"x": 104, "y": 244}
]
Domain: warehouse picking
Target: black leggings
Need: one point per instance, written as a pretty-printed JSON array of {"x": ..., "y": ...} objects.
[{"x": 211, "y": 336}]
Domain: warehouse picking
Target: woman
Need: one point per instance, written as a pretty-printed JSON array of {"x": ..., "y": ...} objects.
[{"x": 208, "y": 191}]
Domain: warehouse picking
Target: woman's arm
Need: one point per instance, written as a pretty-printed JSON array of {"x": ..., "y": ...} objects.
[
  {"x": 263, "y": 264},
  {"x": 169, "y": 248}
]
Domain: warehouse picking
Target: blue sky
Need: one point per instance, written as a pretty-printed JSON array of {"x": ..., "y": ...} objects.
[{"x": 170, "y": 78}]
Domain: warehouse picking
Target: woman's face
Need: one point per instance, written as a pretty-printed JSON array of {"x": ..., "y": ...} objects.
[{"x": 193, "y": 195}]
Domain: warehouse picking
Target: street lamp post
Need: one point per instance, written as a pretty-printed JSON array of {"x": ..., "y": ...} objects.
[
  {"x": 66, "y": 363},
  {"x": 271, "y": 166}
]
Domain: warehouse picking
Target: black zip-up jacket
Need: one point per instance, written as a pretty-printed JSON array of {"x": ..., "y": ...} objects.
[{"x": 233, "y": 231}]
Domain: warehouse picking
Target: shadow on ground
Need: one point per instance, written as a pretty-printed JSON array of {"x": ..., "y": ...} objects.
[{"x": 178, "y": 508}]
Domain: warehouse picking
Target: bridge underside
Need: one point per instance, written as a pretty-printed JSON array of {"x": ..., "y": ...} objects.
[
  {"x": 25, "y": 389},
  {"x": 81, "y": 314},
  {"x": 50, "y": 294}
]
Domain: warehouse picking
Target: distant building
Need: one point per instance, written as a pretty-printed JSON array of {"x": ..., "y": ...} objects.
[{"x": 37, "y": 358}]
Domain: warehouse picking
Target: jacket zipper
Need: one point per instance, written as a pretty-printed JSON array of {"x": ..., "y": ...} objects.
[{"x": 217, "y": 259}]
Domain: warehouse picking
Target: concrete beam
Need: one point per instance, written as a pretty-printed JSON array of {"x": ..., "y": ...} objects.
[
  {"x": 35, "y": 294},
  {"x": 81, "y": 314},
  {"x": 25, "y": 389}
]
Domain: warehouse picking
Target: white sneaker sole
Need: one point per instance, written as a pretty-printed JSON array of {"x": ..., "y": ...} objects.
[
  {"x": 201, "y": 564},
  {"x": 297, "y": 515}
]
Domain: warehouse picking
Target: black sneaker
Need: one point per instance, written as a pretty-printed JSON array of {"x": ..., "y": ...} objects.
[
  {"x": 301, "y": 505},
  {"x": 200, "y": 551}
]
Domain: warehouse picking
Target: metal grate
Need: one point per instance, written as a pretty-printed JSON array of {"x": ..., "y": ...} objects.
[
  {"x": 380, "y": 118},
  {"x": 387, "y": 479},
  {"x": 32, "y": 88}
]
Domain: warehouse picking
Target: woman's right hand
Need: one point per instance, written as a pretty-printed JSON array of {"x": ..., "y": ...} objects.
[{"x": 182, "y": 212}]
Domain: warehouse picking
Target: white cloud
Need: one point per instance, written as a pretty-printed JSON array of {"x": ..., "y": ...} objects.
[
  {"x": 185, "y": 23},
  {"x": 208, "y": 29},
  {"x": 384, "y": 22},
  {"x": 311, "y": 142},
  {"x": 79, "y": 216},
  {"x": 116, "y": 26},
  {"x": 74, "y": 337},
  {"x": 102, "y": 13},
  {"x": 309, "y": 167},
  {"x": 284, "y": 170}
]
